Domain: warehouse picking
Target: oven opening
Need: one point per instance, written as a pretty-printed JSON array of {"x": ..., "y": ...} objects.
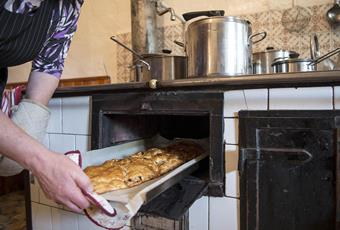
[{"x": 122, "y": 128}]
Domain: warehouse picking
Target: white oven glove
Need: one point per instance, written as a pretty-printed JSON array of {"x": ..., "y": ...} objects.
[{"x": 33, "y": 118}]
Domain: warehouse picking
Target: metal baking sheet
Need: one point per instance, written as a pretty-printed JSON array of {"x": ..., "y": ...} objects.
[{"x": 141, "y": 194}]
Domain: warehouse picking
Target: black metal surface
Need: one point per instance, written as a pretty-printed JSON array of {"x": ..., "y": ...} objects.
[
  {"x": 28, "y": 206},
  {"x": 176, "y": 201},
  {"x": 211, "y": 13},
  {"x": 307, "y": 79},
  {"x": 288, "y": 170},
  {"x": 124, "y": 117}
]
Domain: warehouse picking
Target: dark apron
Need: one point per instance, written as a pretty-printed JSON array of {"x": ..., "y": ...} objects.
[{"x": 22, "y": 36}]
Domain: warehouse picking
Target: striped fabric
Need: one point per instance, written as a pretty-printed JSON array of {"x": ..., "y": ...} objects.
[{"x": 10, "y": 98}]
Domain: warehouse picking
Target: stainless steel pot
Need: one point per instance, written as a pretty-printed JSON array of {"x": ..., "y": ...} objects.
[
  {"x": 288, "y": 65},
  {"x": 220, "y": 46},
  {"x": 164, "y": 67},
  {"x": 262, "y": 61},
  {"x": 156, "y": 66}
]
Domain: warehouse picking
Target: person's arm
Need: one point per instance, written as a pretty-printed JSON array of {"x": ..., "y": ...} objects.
[
  {"x": 60, "y": 178},
  {"x": 41, "y": 87}
]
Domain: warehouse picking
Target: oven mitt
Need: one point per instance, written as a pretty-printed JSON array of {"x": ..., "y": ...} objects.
[
  {"x": 33, "y": 118},
  {"x": 108, "y": 215}
]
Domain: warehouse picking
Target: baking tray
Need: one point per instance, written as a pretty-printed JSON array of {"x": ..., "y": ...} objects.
[{"x": 134, "y": 197}]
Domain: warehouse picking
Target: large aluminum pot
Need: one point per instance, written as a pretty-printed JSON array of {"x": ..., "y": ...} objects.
[
  {"x": 288, "y": 65},
  {"x": 262, "y": 61},
  {"x": 164, "y": 67},
  {"x": 220, "y": 46}
]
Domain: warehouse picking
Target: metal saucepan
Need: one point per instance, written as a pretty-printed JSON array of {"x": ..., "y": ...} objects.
[
  {"x": 262, "y": 61},
  {"x": 219, "y": 46},
  {"x": 157, "y": 66},
  {"x": 288, "y": 65}
]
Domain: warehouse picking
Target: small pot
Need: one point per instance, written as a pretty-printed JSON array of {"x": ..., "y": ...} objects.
[
  {"x": 262, "y": 61},
  {"x": 164, "y": 67},
  {"x": 288, "y": 65},
  {"x": 156, "y": 66}
]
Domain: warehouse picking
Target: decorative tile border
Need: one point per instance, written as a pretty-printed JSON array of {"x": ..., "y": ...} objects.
[{"x": 269, "y": 21}]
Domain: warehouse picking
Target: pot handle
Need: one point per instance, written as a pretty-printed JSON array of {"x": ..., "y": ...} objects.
[
  {"x": 181, "y": 44},
  {"x": 190, "y": 15},
  {"x": 324, "y": 57},
  {"x": 263, "y": 34}
]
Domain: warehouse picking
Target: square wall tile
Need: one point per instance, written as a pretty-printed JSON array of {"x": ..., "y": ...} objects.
[
  {"x": 45, "y": 201},
  {"x": 314, "y": 98},
  {"x": 85, "y": 224},
  {"x": 55, "y": 122},
  {"x": 232, "y": 178},
  {"x": 83, "y": 143},
  {"x": 224, "y": 213},
  {"x": 254, "y": 99},
  {"x": 199, "y": 214},
  {"x": 46, "y": 141},
  {"x": 231, "y": 130},
  {"x": 34, "y": 190},
  {"x": 41, "y": 217},
  {"x": 61, "y": 143},
  {"x": 337, "y": 97},
  {"x": 76, "y": 115},
  {"x": 62, "y": 220}
]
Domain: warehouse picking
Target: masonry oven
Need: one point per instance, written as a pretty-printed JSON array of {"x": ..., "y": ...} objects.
[{"x": 124, "y": 117}]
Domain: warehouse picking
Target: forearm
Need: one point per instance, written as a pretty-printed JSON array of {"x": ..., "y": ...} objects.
[
  {"x": 41, "y": 87},
  {"x": 17, "y": 145}
]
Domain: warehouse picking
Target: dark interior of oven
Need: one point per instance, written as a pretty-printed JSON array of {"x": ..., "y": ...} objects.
[
  {"x": 145, "y": 115},
  {"x": 129, "y": 127}
]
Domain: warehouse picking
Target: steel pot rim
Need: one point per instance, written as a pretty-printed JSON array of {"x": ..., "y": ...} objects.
[
  {"x": 219, "y": 19},
  {"x": 292, "y": 60},
  {"x": 274, "y": 51},
  {"x": 160, "y": 55}
]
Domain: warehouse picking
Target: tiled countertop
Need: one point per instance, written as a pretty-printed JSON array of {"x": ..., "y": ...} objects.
[{"x": 306, "y": 79}]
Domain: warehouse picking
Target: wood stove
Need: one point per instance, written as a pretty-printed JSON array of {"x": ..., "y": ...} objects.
[{"x": 125, "y": 117}]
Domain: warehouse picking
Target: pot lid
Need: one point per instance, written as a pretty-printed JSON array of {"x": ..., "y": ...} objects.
[{"x": 292, "y": 54}]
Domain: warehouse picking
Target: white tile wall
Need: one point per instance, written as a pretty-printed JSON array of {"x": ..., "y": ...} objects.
[
  {"x": 232, "y": 173},
  {"x": 85, "y": 224},
  {"x": 337, "y": 97},
  {"x": 83, "y": 143},
  {"x": 198, "y": 214},
  {"x": 253, "y": 99},
  {"x": 314, "y": 98},
  {"x": 55, "y": 122},
  {"x": 62, "y": 220},
  {"x": 224, "y": 213},
  {"x": 41, "y": 217},
  {"x": 76, "y": 115},
  {"x": 62, "y": 143},
  {"x": 34, "y": 188},
  {"x": 231, "y": 130},
  {"x": 46, "y": 141},
  {"x": 45, "y": 201}
]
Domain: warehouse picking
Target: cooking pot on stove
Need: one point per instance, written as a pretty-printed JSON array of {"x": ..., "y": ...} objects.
[
  {"x": 287, "y": 65},
  {"x": 262, "y": 61},
  {"x": 161, "y": 66},
  {"x": 218, "y": 45}
]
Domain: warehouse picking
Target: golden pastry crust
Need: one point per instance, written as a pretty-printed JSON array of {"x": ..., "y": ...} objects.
[{"x": 140, "y": 167}]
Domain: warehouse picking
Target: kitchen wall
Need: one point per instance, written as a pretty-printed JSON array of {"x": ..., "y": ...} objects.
[{"x": 93, "y": 54}]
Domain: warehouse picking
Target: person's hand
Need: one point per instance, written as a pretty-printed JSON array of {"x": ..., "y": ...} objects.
[{"x": 63, "y": 181}]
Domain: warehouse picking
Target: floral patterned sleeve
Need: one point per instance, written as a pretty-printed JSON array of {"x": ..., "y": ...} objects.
[{"x": 52, "y": 56}]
